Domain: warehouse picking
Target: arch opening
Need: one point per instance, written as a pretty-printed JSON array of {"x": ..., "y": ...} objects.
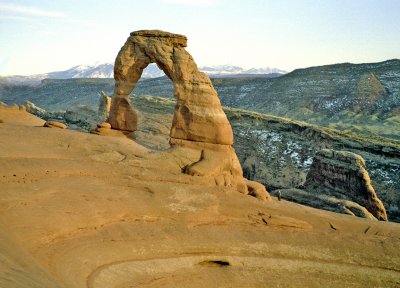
[{"x": 153, "y": 101}]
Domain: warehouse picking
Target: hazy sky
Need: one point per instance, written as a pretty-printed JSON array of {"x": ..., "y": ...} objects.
[{"x": 46, "y": 35}]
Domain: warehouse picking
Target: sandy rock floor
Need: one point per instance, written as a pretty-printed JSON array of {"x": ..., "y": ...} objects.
[{"x": 82, "y": 210}]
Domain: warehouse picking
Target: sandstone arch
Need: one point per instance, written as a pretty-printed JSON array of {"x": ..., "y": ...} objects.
[
  {"x": 198, "y": 113},
  {"x": 198, "y": 122}
]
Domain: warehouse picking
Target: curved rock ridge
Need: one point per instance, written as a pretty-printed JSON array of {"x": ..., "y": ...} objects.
[
  {"x": 343, "y": 174},
  {"x": 198, "y": 113}
]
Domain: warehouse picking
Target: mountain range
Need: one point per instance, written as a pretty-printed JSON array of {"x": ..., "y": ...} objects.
[{"x": 106, "y": 70}]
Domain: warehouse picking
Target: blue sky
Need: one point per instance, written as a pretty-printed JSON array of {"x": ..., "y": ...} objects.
[{"x": 46, "y": 35}]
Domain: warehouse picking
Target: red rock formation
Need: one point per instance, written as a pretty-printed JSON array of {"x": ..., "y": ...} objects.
[
  {"x": 199, "y": 121},
  {"x": 343, "y": 173},
  {"x": 198, "y": 112}
]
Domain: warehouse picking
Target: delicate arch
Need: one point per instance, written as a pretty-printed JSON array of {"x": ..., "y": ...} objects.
[{"x": 198, "y": 113}]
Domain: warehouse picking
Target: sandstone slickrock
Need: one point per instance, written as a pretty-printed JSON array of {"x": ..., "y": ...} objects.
[
  {"x": 343, "y": 173},
  {"x": 79, "y": 210},
  {"x": 55, "y": 124},
  {"x": 198, "y": 122},
  {"x": 13, "y": 114}
]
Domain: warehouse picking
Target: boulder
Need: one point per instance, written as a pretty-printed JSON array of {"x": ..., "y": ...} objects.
[
  {"x": 257, "y": 190},
  {"x": 104, "y": 125},
  {"x": 103, "y": 128},
  {"x": 55, "y": 124}
]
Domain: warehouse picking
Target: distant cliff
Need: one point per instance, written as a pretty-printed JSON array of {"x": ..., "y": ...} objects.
[
  {"x": 342, "y": 175},
  {"x": 357, "y": 97}
]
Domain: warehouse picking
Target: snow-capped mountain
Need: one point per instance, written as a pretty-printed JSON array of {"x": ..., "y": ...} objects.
[
  {"x": 106, "y": 70},
  {"x": 236, "y": 70}
]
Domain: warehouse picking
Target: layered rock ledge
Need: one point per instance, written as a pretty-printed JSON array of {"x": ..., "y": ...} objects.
[{"x": 343, "y": 174}]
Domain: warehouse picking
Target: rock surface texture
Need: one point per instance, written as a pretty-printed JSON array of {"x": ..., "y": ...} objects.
[
  {"x": 343, "y": 174},
  {"x": 198, "y": 122}
]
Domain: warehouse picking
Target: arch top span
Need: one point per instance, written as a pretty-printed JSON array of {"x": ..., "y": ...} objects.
[{"x": 176, "y": 39}]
